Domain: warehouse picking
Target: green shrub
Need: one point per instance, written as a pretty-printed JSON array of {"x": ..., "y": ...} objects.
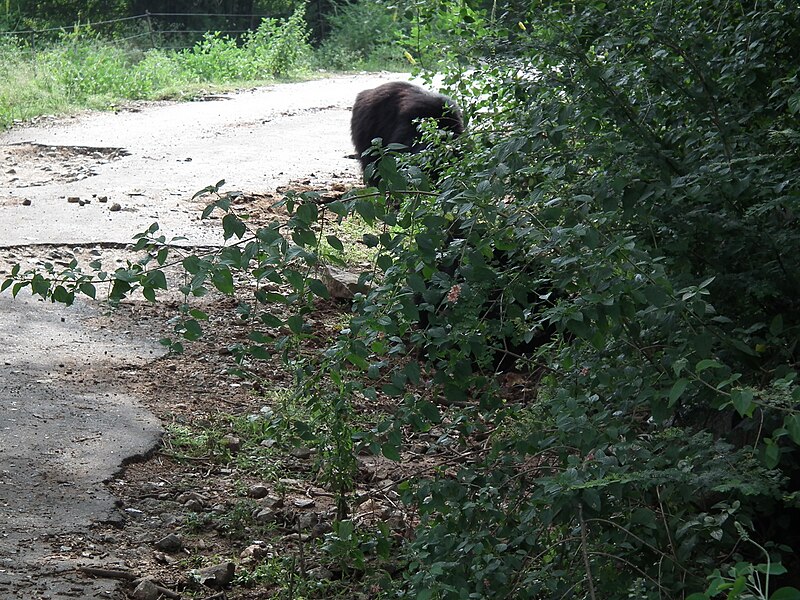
[
  {"x": 361, "y": 33},
  {"x": 157, "y": 72},
  {"x": 85, "y": 67},
  {"x": 278, "y": 48},
  {"x": 631, "y": 164}
]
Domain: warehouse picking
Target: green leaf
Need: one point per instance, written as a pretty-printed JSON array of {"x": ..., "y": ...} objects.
[
  {"x": 591, "y": 498},
  {"x": 119, "y": 289},
  {"x": 708, "y": 363},
  {"x": 454, "y": 393},
  {"x": 392, "y": 390},
  {"x": 366, "y": 210},
  {"x": 88, "y": 289},
  {"x": 655, "y": 295},
  {"x": 794, "y": 103},
  {"x": 412, "y": 371},
  {"x": 223, "y": 280},
  {"x": 742, "y": 400},
  {"x": 156, "y": 279},
  {"x": 198, "y": 314},
  {"x": 233, "y": 225},
  {"x": 772, "y": 454},
  {"x": 384, "y": 262},
  {"x": 785, "y": 593},
  {"x": 307, "y": 212},
  {"x": 338, "y": 208},
  {"x": 335, "y": 243},
  {"x": 268, "y": 235},
  {"x": 191, "y": 264},
  {"x": 60, "y": 294},
  {"x": 390, "y": 451},
  {"x": 792, "y": 425},
  {"x": 579, "y": 328},
  {"x": 318, "y": 288},
  {"x": 40, "y": 286},
  {"x": 162, "y": 255},
  {"x": 345, "y": 529},
  {"x": 776, "y": 326},
  {"x": 429, "y": 411},
  {"x": 677, "y": 389},
  {"x": 192, "y": 330},
  {"x": 773, "y": 568},
  {"x": 679, "y": 365},
  {"x": 295, "y": 323}
]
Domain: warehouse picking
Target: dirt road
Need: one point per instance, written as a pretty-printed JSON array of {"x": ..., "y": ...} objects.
[{"x": 70, "y": 188}]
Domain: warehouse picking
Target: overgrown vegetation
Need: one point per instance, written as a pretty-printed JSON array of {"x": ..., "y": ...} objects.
[
  {"x": 82, "y": 70},
  {"x": 621, "y": 223},
  {"x": 56, "y": 68}
]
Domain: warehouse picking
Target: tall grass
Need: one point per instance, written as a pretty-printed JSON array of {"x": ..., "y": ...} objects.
[{"x": 83, "y": 71}]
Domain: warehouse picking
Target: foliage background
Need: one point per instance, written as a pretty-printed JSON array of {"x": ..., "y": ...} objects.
[{"x": 621, "y": 218}]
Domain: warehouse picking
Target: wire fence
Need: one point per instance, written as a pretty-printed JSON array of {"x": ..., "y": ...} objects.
[{"x": 167, "y": 31}]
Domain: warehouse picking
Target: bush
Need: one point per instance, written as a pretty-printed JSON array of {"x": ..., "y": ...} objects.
[
  {"x": 279, "y": 48},
  {"x": 361, "y": 33},
  {"x": 631, "y": 164}
]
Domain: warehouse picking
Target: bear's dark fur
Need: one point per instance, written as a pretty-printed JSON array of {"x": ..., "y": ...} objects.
[{"x": 389, "y": 111}]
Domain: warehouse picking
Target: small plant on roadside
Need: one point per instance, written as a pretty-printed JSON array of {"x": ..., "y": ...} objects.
[{"x": 238, "y": 521}]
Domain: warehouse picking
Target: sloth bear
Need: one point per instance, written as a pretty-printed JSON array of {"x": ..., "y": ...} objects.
[{"x": 389, "y": 112}]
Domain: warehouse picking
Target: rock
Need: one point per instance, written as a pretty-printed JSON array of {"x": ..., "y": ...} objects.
[
  {"x": 115, "y": 207},
  {"x": 216, "y": 576},
  {"x": 168, "y": 519},
  {"x": 271, "y": 502},
  {"x": 164, "y": 559},
  {"x": 307, "y": 520},
  {"x": 303, "y": 502},
  {"x": 301, "y": 452},
  {"x": 320, "y": 573},
  {"x": 73, "y": 200},
  {"x": 232, "y": 442},
  {"x": 266, "y": 516},
  {"x": 291, "y": 482},
  {"x": 26, "y": 202},
  {"x": 342, "y": 284},
  {"x": 258, "y": 491},
  {"x": 169, "y": 543},
  {"x": 253, "y": 552},
  {"x": 146, "y": 590},
  {"x": 186, "y": 496},
  {"x": 151, "y": 487}
]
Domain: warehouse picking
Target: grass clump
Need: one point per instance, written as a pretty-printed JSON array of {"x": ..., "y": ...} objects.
[{"x": 81, "y": 70}]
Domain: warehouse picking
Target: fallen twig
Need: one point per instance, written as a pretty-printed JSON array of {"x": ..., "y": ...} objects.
[{"x": 108, "y": 573}]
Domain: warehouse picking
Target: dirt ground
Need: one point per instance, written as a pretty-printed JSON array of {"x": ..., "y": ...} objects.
[{"x": 79, "y": 188}]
